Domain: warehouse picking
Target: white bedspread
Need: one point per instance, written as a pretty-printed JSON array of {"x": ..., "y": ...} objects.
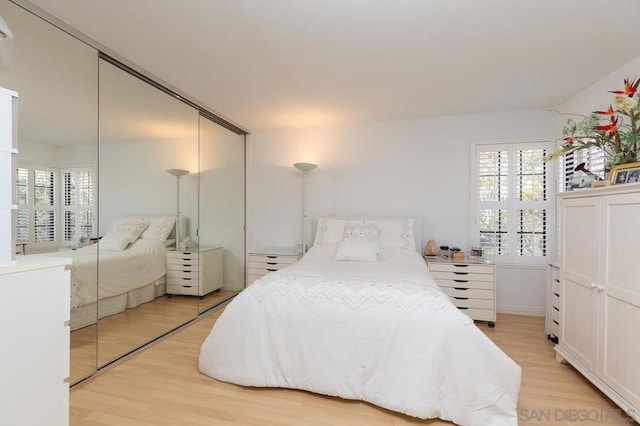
[
  {"x": 119, "y": 271},
  {"x": 379, "y": 332}
]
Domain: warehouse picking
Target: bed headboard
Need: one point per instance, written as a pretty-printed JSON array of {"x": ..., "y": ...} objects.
[{"x": 417, "y": 226}]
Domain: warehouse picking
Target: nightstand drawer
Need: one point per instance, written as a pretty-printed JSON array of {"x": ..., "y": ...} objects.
[
  {"x": 464, "y": 284},
  {"x": 268, "y": 266},
  {"x": 182, "y": 281},
  {"x": 194, "y": 274},
  {"x": 188, "y": 290},
  {"x": 273, "y": 259},
  {"x": 469, "y": 292},
  {"x": 480, "y": 314},
  {"x": 464, "y": 302},
  {"x": 462, "y": 276}
]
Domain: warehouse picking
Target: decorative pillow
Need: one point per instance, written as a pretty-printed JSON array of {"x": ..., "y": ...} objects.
[
  {"x": 169, "y": 242},
  {"x": 396, "y": 233},
  {"x": 356, "y": 231},
  {"x": 159, "y": 228},
  {"x": 114, "y": 241},
  {"x": 131, "y": 227},
  {"x": 359, "y": 250},
  {"x": 329, "y": 230}
]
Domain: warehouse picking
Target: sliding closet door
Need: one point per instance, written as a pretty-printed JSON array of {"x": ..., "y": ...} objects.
[
  {"x": 143, "y": 133},
  {"x": 56, "y": 78},
  {"x": 222, "y": 205}
]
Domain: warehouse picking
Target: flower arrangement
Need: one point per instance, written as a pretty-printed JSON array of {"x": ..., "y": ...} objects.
[{"x": 615, "y": 131}]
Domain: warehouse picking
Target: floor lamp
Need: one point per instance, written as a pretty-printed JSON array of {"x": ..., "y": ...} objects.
[
  {"x": 304, "y": 168},
  {"x": 178, "y": 173}
]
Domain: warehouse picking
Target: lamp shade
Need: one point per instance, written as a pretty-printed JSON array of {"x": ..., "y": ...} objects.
[
  {"x": 177, "y": 172},
  {"x": 305, "y": 167}
]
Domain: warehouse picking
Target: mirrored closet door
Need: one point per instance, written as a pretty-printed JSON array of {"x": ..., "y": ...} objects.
[
  {"x": 148, "y": 173},
  {"x": 56, "y": 77},
  {"x": 222, "y": 206}
]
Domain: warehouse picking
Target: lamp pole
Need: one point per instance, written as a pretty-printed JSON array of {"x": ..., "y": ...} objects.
[{"x": 305, "y": 168}]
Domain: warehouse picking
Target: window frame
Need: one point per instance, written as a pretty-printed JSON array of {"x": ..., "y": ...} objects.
[{"x": 511, "y": 204}]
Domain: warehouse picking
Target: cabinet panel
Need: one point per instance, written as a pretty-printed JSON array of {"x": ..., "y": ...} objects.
[{"x": 578, "y": 322}]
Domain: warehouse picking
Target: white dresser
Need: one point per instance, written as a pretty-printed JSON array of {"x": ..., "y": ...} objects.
[
  {"x": 34, "y": 310},
  {"x": 194, "y": 273},
  {"x": 600, "y": 289},
  {"x": 471, "y": 286},
  {"x": 552, "y": 324},
  {"x": 261, "y": 262}
]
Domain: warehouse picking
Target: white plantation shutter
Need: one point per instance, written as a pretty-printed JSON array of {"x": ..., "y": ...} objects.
[
  {"x": 512, "y": 202},
  {"x": 593, "y": 158},
  {"x": 77, "y": 205},
  {"x": 44, "y": 206},
  {"x": 22, "y": 195}
]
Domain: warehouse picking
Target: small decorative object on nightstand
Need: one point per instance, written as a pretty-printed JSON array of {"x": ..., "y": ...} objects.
[
  {"x": 261, "y": 262},
  {"x": 194, "y": 273},
  {"x": 471, "y": 285}
]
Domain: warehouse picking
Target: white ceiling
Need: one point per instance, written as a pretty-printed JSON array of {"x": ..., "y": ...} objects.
[{"x": 298, "y": 63}]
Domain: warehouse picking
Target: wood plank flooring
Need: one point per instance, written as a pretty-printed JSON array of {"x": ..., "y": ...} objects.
[{"x": 162, "y": 386}]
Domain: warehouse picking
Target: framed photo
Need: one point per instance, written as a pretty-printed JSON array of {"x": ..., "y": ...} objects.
[
  {"x": 581, "y": 181},
  {"x": 625, "y": 173}
]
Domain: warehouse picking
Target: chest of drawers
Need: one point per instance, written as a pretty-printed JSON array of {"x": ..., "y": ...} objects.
[
  {"x": 471, "y": 287},
  {"x": 194, "y": 273},
  {"x": 261, "y": 263}
]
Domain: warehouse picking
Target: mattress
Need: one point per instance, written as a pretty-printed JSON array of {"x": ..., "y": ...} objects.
[{"x": 381, "y": 332}]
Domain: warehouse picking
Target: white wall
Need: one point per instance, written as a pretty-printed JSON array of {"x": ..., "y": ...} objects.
[{"x": 417, "y": 168}]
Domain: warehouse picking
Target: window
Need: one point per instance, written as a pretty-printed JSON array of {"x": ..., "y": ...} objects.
[
  {"x": 77, "y": 205},
  {"x": 40, "y": 207},
  {"x": 512, "y": 203}
]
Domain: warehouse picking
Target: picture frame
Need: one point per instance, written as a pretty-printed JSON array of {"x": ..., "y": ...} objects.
[
  {"x": 625, "y": 173},
  {"x": 581, "y": 181}
]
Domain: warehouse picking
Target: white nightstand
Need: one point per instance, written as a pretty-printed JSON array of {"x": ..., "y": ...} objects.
[
  {"x": 194, "y": 272},
  {"x": 261, "y": 262},
  {"x": 470, "y": 285}
]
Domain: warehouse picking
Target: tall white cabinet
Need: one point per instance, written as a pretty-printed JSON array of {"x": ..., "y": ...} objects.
[
  {"x": 34, "y": 311},
  {"x": 600, "y": 289}
]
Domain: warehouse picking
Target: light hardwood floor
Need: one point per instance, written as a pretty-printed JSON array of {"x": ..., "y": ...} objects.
[{"x": 162, "y": 386}]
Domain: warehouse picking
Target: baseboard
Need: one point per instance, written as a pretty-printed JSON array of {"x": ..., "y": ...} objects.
[{"x": 522, "y": 310}]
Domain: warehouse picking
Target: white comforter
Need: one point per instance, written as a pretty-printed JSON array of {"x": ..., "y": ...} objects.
[
  {"x": 119, "y": 271},
  {"x": 379, "y": 332}
]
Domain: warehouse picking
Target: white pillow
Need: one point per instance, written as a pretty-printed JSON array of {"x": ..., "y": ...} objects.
[
  {"x": 357, "y": 231},
  {"x": 159, "y": 228},
  {"x": 395, "y": 233},
  {"x": 358, "y": 250},
  {"x": 131, "y": 227},
  {"x": 329, "y": 230},
  {"x": 114, "y": 241}
]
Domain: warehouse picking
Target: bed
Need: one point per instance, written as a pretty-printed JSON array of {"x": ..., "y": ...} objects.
[
  {"x": 130, "y": 261},
  {"x": 372, "y": 326}
]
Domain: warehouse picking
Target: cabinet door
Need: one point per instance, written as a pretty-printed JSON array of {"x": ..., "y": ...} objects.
[
  {"x": 579, "y": 241},
  {"x": 621, "y": 295}
]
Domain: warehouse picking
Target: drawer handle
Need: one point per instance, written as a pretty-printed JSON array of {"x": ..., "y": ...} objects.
[
  {"x": 461, "y": 281},
  {"x": 557, "y": 309},
  {"x": 272, "y": 263},
  {"x": 185, "y": 259},
  {"x": 461, "y": 288},
  {"x": 457, "y": 265},
  {"x": 557, "y": 280},
  {"x": 187, "y": 286},
  {"x": 462, "y": 307},
  {"x": 186, "y": 252},
  {"x": 461, "y": 273},
  {"x": 556, "y": 322},
  {"x": 187, "y": 279},
  {"x": 272, "y": 257},
  {"x": 187, "y": 265},
  {"x": 186, "y": 271},
  {"x": 271, "y": 270},
  {"x": 461, "y": 298}
]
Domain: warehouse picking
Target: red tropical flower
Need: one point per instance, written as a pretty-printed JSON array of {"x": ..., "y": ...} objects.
[
  {"x": 568, "y": 140},
  {"x": 630, "y": 88},
  {"x": 607, "y": 113},
  {"x": 611, "y": 127}
]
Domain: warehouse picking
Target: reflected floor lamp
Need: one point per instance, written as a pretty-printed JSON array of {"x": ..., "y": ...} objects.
[
  {"x": 304, "y": 168},
  {"x": 178, "y": 173}
]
